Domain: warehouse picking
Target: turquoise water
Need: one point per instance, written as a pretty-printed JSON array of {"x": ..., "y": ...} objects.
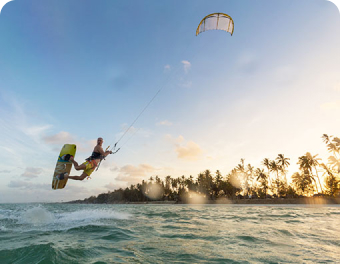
[{"x": 72, "y": 233}]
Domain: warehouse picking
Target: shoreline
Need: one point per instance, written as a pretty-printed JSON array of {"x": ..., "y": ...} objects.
[
  {"x": 272, "y": 201},
  {"x": 305, "y": 200}
]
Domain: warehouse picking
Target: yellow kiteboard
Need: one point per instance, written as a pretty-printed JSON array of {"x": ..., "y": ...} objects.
[{"x": 63, "y": 165}]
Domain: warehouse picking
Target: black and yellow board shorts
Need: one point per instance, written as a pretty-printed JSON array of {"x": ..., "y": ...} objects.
[{"x": 90, "y": 166}]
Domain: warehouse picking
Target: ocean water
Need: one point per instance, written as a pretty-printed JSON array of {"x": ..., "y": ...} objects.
[{"x": 146, "y": 233}]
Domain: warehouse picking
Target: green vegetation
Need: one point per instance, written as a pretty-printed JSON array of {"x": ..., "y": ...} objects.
[{"x": 314, "y": 178}]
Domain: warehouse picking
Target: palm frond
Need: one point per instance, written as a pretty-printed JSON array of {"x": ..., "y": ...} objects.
[{"x": 325, "y": 138}]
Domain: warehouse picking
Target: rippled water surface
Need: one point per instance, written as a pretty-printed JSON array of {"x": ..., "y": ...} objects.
[{"x": 70, "y": 233}]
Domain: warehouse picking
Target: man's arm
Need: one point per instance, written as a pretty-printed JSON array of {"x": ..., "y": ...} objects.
[{"x": 102, "y": 152}]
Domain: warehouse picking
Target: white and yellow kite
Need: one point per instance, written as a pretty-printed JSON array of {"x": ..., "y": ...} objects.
[{"x": 217, "y": 21}]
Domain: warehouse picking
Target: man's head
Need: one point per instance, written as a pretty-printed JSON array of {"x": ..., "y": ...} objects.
[{"x": 100, "y": 141}]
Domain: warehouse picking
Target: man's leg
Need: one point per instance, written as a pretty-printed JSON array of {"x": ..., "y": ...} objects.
[
  {"x": 76, "y": 165},
  {"x": 79, "y": 178}
]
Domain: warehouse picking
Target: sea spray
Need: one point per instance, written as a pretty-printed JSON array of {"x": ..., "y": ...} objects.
[
  {"x": 41, "y": 218},
  {"x": 37, "y": 216},
  {"x": 91, "y": 215}
]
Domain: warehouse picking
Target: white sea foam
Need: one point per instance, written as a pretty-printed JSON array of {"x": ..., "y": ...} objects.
[
  {"x": 37, "y": 216},
  {"x": 91, "y": 215}
]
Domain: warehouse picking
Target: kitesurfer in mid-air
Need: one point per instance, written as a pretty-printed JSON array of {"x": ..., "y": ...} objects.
[{"x": 90, "y": 164}]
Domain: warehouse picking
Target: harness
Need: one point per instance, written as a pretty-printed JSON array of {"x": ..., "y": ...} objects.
[{"x": 95, "y": 155}]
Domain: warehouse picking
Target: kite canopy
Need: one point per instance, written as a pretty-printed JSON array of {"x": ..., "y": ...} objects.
[{"x": 218, "y": 21}]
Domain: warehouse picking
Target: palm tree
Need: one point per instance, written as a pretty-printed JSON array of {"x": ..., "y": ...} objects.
[
  {"x": 250, "y": 174},
  {"x": 332, "y": 182},
  {"x": 167, "y": 187},
  {"x": 306, "y": 163},
  {"x": 283, "y": 163},
  {"x": 159, "y": 181},
  {"x": 182, "y": 181},
  {"x": 240, "y": 167},
  {"x": 230, "y": 187},
  {"x": 242, "y": 171},
  {"x": 305, "y": 166},
  {"x": 266, "y": 163},
  {"x": 262, "y": 177},
  {"x": 190, "y": 183},
  {"x": 174, "y": 184},
  {"x": 333, "y": 145},
  {"x": 314, "y": 162},
  {"x": 275, "y": 168},
  {"x": 303, "y": 181},
  {"x": 217, "y": 183}
]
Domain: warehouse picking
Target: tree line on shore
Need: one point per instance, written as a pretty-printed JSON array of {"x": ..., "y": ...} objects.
[{"x": 314, "y": 178}]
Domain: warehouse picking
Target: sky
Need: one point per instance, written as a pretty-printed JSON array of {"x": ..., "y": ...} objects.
[{"x": 73, "y": 71}]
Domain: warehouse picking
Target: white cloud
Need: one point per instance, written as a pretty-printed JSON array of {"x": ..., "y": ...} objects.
[
  {"x": 85, "y": 146},
  {"x": 27, "y": 185},
  {"x": 19, "y": 184},
  {"x": 20, "y": 137},
  {"x": 186, "y": 150},
  {"x": 337, "y": 87},
  {"x": 186, "y": 84},
  {"x": 167, "y": 68},
  {"x": 64, "y": 137},
  {"x": 179, "y": 139},
  {"x": 31, "y": 172},
  {"x": 35, "y": 131},
  {"x": 134, "y": 174},
  {"x": 19, "y": 119},
  {"x": 60, "y": 138},
  {"x": 41, "y": 192},
  {"x": 173, "y": 140},
  {"x": 111, "y": 186},
  {"x": 164, "y": 123},
  {"x": 190, "y": 151},
  {"x": 186, "y": 65},
  {"x": 331, "y": 106},
  {"x": 7, "y": 149}
]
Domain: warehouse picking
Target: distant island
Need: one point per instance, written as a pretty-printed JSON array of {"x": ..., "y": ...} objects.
[{"x": 316, "y": 182}]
